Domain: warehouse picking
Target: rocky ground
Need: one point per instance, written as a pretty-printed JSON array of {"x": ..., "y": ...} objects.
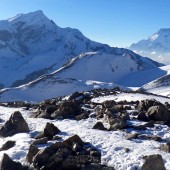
[{"x": 98, "y": 129}]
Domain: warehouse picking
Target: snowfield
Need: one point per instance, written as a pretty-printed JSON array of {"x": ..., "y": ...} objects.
[
  {"x": 112, "y": 144},
  {"x": 130, "y": 97}
]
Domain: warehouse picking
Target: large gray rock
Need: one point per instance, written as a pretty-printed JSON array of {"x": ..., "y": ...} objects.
[
  {"x": 158, "y": 113},
  {"x": 8, "y": 164},
  {"x": 117, "y": 123},
  {"x": 67, "y": 109},
  {"x": 33, "y": 150},
  {"x": 144, "y": 105},
  {"x": 153, "y": 162},
  {"x": 16, "y": 124}
]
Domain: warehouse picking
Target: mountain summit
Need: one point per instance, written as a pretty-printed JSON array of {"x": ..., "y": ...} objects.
[{"x": 157, "y": 46}]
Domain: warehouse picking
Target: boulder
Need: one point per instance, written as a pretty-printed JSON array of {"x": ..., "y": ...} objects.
[
  {"x": 99, "y": 126},
  {"x": 67, "y": 109},
  {"x": 7, "y": 145},
  {"x": 142, "y": 116},
  {"x": 165, "y": 147},
  {"x": 158, "y": 113},
  {"x": 149, "y": 124},
  {"x": 33, "y": 150},
  {"x": 108, "y": 104},
  {"x": 71, "y": 140},
  {"x": 117, "y": 123},
  {"x": 16, "y": 124},
  {"x": 49, "y": 131},
  {"x": 153, "y": 162},
  {"x": 8, "y": 164},
  {"x": 43, "y": 140},
  {"x": 82, "y": 116},
  {"x": 50, "y": 109},
  {"x": 123, "y": 115},
  {"x": 132, "y": 136},
  {"x": 118, "y": 108},
  {"x": 144, "y": 105}
]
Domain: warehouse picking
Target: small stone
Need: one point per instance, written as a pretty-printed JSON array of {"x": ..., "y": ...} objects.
[
  {"x": 7, "y": 145},
  {"x": 127, "y": 150},
  {"x": 132, "y": 136},
  {"x": 99, "y": 126}
]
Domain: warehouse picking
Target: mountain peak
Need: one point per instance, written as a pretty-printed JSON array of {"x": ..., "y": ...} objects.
[
  {"x": 157, "y": 46},
  {"x": 31, "y": 17},
  {"x": 164, "y": 30}
]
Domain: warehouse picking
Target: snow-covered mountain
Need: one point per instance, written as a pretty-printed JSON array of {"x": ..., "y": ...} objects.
[
  {"x": 157, "y": 46},
  {"x": 32, "y": 45},
  {"x": 139, "y": 78},
  {"x": 87, "y": 71},
  {"x": 160, "y": 86}
]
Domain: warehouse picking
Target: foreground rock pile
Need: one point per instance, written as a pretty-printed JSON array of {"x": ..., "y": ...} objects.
[{"x": 73, "y": 153}]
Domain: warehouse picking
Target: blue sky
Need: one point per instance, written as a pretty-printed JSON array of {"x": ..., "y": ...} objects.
[{"x": 114, "y": 22}]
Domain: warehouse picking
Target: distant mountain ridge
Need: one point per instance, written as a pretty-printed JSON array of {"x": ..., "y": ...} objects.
[
  {"x": 157, "y": 46},
  {"x": 85, "y": 72}
]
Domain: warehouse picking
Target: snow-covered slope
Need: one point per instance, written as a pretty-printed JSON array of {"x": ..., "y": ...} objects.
[
  {"x": 157, "y": 46},
  {"x": 32, "y": 45},
  {"x": 139, "y": 78},
  {"x": 50, "y": 88},
  {"x": 75, "y": 76},
  {"x": 159, "y": 86}
]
